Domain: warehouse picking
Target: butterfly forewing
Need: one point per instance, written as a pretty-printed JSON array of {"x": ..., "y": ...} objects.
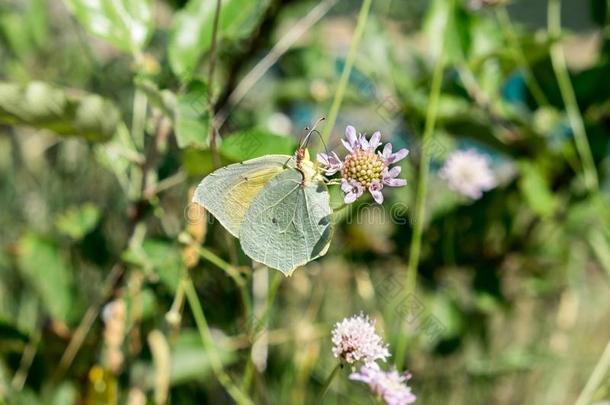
[
  {"x": 228, "y": 192},
  {"x": 288, "y": 223}
]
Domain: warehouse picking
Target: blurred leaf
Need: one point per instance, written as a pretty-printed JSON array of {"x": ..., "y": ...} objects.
[
  {"x": 535, "y": 188},
  {"x": 455, "y": 44},
  {"x": 197, "y": 162},
  {"x": 162, "y": 258},
  {"x": 189, "y": 360},
  {"x": 65, "y": 394},
  {"x": 44, "y": 269},
  {"x": 191, "y": 31},
  {"x": 122, "y": 158},
  {"x": 164, "y": 100},
  {"x": 76, "y": 222},
  {"x": 126, "y": 24},
  {"x": 41, "y": 105},
  {"x": 254, "y": 143},
  {"x": 192, "y": 117}
]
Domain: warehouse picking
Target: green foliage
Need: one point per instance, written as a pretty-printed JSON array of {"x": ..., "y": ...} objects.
[
  {"x": 44, "y": 106},
  {"x": 46, "y": 271},
  {"x": 192, "y": 27},
  {"x": 192, "y": 116},
  {"x": 255, "y": 143},
  {"x": 77, "y": 222},
  {"x": 126, "y": 24}
]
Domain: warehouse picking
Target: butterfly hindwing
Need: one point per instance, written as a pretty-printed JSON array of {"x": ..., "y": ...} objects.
[
  {"x": 228, "y": 192},
  {"x": 288, "y": 224}
]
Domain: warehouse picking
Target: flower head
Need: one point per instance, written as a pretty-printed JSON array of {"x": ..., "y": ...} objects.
[
  {"x": 388, "y": 385},
  {"x": 354, "y": 339},
  {"x": 468, "y": 173},
  {"x": 364, "y": 168}
]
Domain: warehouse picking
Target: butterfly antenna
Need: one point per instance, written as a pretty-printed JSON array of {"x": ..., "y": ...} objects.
[{"x": 311, "y": 131}]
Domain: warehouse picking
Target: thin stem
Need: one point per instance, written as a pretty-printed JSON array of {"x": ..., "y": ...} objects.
[
  {"x": 280, "y": 48},
  {"x": 259, "y": 324},
  {"x": 569, "y": 97},
  {"x": 513, "y": 41},
  {"x": 85, "y": 325},
  {"x": 212, "y": 131},
  {"x": 422, "y": 183},
  {"x": 600, "y": 370},
  {"x": 349, "y": 62},
  {"x": 208, "y": 344},
  {"x": 139, "y": 118},
  {"x": 26, "y": 362},
  {"x": 327, "y": 383},
  {"x": 431, "y": 116}
]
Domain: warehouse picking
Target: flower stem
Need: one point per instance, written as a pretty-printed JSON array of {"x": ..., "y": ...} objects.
[
  {"x": 327, "y": 383},
  {"x": 207, "y": 340},
  {"x": 422, "y": 183},
  {"x": 349, "y": 62},
  {"x": 600, "y": 370},
  {"x": 431, "y": 116},
  {"x": 558, "y": 61}
]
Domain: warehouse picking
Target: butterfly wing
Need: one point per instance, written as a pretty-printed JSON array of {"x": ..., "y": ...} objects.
[
  {"x": 288, "y": 224},
  {"x": 228, "y": 192}
]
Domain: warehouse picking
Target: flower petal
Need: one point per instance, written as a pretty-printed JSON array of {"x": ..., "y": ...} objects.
[
  {"x": 400, "y": 155},
  {"x": 393, "y": 172},
  {"x": 377, "y": 195},
  {"x": 387, "y": 151},
  {"x": 364, "y": 144},
  {"x": 395, "y": 182},
  {"x": 345, "y": 186},
  {"x": 375, "y": 141},
  {"x": 347, "y": 145},
  {"x": 351, "y": 136},
  {"x": 350, "y": 197}
]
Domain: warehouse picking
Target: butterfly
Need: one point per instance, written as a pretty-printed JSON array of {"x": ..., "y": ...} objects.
[{"x": 278, "y": 206}]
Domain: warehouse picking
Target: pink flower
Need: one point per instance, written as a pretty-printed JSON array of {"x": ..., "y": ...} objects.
[
  {"x": 331, "y": 163},
  {"x": 354, "y": 339},
  {"x": 387, "y": 385},
  {"x": 364, "y": 168}
]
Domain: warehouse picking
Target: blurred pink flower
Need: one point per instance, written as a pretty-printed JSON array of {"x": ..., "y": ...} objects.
[
  {"x": 364, "y": 168},
  {"x": 468, "y": 173},
  {"x": 388, "y": 385},
  {"x": 354, "y": 339}
]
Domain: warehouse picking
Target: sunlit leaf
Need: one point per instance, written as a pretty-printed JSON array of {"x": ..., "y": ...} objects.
[
  {"x": 126, "y": 24},
  {"x": 192, "y": 117},
  {"x": 535, "y": 188},
  {"x": 41, "y": 264},
  {"x": 76, "y": 222},
  {"x": 191, "y": 31}
]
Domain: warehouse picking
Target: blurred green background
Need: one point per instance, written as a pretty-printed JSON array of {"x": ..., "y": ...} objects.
[{"x": 105, "y": 114}]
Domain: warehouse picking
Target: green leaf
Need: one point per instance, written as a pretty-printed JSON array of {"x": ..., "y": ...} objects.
[
  {"x": 534, "y": 186},
  {"x": 191, "y": 31},
  {"x": 41, "y": 264},
  {"x": 189, "y": 360},
  {"x": 126, "y": 24},
  {"x": 41, "y": 105},
  {"x": 162, "y": 258},
  {"x": 77, "y": 222},
  {"x": 456, "y": 42},
  {"x": 191, "y": 118},
  {"x": 255, "y": 143}
]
